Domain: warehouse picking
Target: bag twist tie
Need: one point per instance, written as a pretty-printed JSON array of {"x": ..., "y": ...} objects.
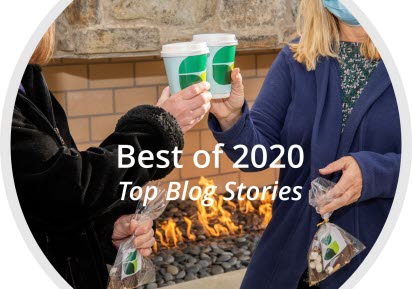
[{"x": 324, "y": 222}]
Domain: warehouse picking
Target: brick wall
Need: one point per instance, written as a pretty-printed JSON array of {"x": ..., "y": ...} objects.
[{"x": 96, "y": 93}]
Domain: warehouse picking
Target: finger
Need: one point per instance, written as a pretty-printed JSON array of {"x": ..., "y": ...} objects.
[
  {"x": 133, "y": 226},
  {"x": 336, "y": 203},
  {"x": 140, "y": 241},
  {"x": 199, "y": 100},
  {"x": 117, "y": 243},
  {"x": 193, "y": 90},
  {"x": 196, "y": 115},
  {"x": 143, "y": 227},
  {"x": 237, "y": 82},
  {"x": 121, "y": 227},
  {"x": 200, "y": 112},
  {"x": 236, "y": 76},
  {"x": 333, "y": 167},
  {"x": 147, "y": 244},
  {"x": 186, "y": 128},
  {"x": 344, "y": 184},
  {"x": 164, "y": 96},
  {"x": 355, "y": 195},
  {"x": 145, "y": 252}
]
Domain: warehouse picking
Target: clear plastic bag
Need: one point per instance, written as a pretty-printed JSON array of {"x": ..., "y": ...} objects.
[
  {"x": 332, "y": 247},
  {"x": 130, "y": 268}
]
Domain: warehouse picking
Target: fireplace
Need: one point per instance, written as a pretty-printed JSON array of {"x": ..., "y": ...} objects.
[{"x": 194, "y": 241}]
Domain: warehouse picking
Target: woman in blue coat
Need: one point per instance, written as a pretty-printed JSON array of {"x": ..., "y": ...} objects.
[{"x": 330, "y": 93}]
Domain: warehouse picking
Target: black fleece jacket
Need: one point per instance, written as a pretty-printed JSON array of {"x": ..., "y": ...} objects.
[{"x": 71, "y": 198}]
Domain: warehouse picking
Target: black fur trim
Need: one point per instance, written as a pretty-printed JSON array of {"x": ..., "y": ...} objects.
[{"x": 163, "y": 123}]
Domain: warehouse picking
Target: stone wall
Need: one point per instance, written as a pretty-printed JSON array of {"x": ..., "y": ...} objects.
[{"x": 119, "y": 28}]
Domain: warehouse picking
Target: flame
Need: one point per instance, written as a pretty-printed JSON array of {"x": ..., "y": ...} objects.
[
  {"x": 246, "y": 206},
  {"x": 223, "y": 221},
  {"x": 155, "y": 246},
  {"x": 190, "y": 236},
  {"x": 172, "y": 234},
  {"x": 265, "y": 209},
  {"x": 214, "y": 219}
]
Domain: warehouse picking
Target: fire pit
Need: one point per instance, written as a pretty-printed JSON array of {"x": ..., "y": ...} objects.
[{"x": 194, "y": 241}]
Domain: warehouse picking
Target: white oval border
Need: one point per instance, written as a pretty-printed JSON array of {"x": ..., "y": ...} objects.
[{"x": 11, "y": 190}]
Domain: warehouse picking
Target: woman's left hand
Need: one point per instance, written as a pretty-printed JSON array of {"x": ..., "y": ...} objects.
[
  {"x": 126, "y": 226},
  {"x": 349, "y": 188}
]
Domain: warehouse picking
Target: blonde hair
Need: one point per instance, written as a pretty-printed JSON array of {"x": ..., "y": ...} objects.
[
  {"x": 45, "y": 49},
  {"x": 319, "y": 34}
]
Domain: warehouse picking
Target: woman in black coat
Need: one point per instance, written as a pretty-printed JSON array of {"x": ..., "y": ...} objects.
[{"x": 71, "y": 198}]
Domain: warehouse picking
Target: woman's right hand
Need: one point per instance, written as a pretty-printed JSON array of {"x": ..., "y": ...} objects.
[
  {"x": 229, "y": 110},
  {"x": 188, "y": 106}
]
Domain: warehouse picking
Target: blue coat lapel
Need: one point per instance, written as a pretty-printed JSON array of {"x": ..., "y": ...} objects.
[
  {"x": 328, "y": 118},
  {"x": 377, "y": 84}
]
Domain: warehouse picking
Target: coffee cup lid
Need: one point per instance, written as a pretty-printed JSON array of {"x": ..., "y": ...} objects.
[
  {"x": 184, "y": 49},
  {"x": 216, "y": 39}
]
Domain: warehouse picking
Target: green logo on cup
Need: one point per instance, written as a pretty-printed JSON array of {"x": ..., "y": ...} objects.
[
  {"x": 223, "y": 64},
  {"x": 192, "y": 70},
  {"x": 130, "y": 263}
]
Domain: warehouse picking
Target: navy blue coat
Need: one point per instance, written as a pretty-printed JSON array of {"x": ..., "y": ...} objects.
[{"x": 296, "y": 106}]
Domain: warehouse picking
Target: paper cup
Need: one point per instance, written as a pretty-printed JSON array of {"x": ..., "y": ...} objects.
[
  {"x": 186, "y": 64},
  {"x": 221, "y": 61}
]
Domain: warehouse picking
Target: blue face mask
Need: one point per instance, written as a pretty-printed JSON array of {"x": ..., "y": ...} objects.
[{"x": 340, "y": 11}]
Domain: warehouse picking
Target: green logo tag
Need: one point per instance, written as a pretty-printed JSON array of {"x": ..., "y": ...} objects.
[
  {"x": 332, "y": 250},
  {"x": 131, "y": 264},
  {"x": 192, "y": 70},
  {"x": 223, "y": 64}
]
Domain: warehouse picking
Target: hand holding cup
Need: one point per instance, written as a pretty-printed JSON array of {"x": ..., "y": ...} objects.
[
  {"x": 229, "y": 110},
  {"x": 189, "y": 105}
]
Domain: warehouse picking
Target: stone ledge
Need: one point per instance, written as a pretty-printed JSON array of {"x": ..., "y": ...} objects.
[{"x": 231, "y": 280}]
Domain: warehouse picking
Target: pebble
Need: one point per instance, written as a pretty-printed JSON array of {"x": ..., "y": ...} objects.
[
  {"x": 192, "y": 251},
  {"x": 218, "y": 250},
  {"x": 158, "y": 259},
  {"x": 204, "y": 263},
  {"x": 191, "y": 260},
  {"x": 223, "y": 258},
  {"x": 207, "y": 249},
  {"x": 172, "y": 269},
  {"x": 201, "y": 237},
  {"x": 190, "y": 277},
  {"x": 194, "y": 269},
  {"x": 181, "y": 275},
  {"x": 151, "y": 286},
  {"x": 233, "y": 261},
  {"x": 174, "y": 210},
  {"x": 226, "y": 265},
  {"x": 170, "y": 283},
  {"x": 168, "y": 277},
  {"x": 216, "y": 269},
  {"x": 169, "y": 259},
  {"x": 181, "y": 257},
  {"x": 204, "y": 274},
  {"x": 204, "y": 256},
  {"x": 244, "y": 258}
]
